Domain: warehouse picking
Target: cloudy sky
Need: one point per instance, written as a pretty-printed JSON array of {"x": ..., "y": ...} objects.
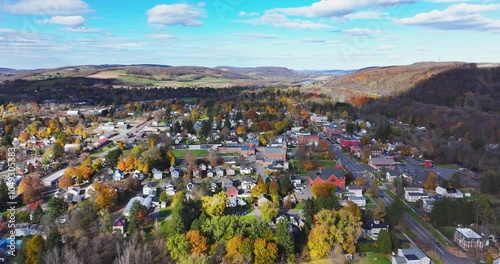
[{"x": 299, "y": 34}]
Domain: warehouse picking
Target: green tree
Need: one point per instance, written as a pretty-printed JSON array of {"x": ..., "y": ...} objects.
[
  {"x": 285, "y": 242},
  {"x": 395, "y": 211},
  {"x": 384, "y": 243},
  {"x": 214, "y": 205},
  {"x": 37, "y": 215},
  {"x": 57, "y": 150},
  {"x": 134, "y": 224},
  {"x": 54, "y": 239},
  {"x": 112, "y": 157},
  {"x": 56, "y": 206},
  {"x": 178, "y": 246},
  {"x": 4, "y": 194},
  {"x": 265, "y": 252},
  {"x": 269, "y": 211}
]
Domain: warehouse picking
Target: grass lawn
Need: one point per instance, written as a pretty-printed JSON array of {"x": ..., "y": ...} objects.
[
  {"x": 435, "y": 258},
  {"x": 434, "y": 233},
  {"x": 447, "y": 231},
  {"x": 230, "y": 154},
  {"x": 180, "y": 153},
  {"x": 165, "y": 212},
  {"x": 327, "y": 163},
  {"x": 388, "y": 192},
  {"x": 299, "y": 206},
  {"x": 102, "y": 150},
  {"x": 319, "y": 261},
  {"x": 373, "y": 258}
]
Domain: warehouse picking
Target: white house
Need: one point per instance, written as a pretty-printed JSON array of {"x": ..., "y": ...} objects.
[
  {"x": 157, "y": 174},
  {"x": 149, "y": 190},
  {"x": 467, "y": 238},
  {"x": 71, "y": 147},
  {"x": 412, "y": 255},
  {"x": 413, "y": 194},
  {"x": 230, "y": 172},
  {"x": 428, "y": 204},
  {"x": 219, "y": 171},
  {"x": 449, "y": 192},
  {"x": 170, "y": 189},
  {"x": 372, "y": 228},
  {"x": 354, "y": 190},
  {"x": 246, "y": 170},
  {"x": 174, "y": 173},
  {"x": 359, "y": 201},
  {"x": 391, "y": 175},
  {"x": 247, "y": 183}
]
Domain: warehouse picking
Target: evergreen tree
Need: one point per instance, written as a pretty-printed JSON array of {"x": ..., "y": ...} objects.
[
  {"x": 384, "y": 242},
  {"x": 285, "y": 241}
]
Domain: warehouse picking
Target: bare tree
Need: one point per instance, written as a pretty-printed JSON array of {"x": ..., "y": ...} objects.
[
  {"x": 134, "y": 252},
  {"x": 53, "y": 255}
]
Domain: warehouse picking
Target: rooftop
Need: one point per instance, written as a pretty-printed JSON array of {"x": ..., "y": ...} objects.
[{"x": 469, "y": 233}]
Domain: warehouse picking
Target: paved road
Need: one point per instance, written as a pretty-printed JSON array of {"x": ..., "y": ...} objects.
[{"x": 429, "y": 240}]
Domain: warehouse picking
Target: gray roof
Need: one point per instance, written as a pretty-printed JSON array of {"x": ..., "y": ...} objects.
[
  {"x": 399, "y": 260},
  {"x": 413, "y": 251}
]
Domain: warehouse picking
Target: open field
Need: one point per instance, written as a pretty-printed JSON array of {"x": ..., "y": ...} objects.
[
  {"x": 115, "y": 74},
  {"x": 180, "y": 153}
]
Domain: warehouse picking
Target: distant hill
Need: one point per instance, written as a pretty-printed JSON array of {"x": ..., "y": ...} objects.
[
  {"x": 391, "y": 80},
  {"x": 7, "y": 70},
  {"x": 259, "y": 71},
  {"x": 327, "y": 72}
]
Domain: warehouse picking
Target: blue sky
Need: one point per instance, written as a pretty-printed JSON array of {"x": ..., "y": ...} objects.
[{"x": 299, "y": 34}]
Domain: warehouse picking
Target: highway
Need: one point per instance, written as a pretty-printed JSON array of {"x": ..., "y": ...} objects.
[{"x": 423, "y": 235}]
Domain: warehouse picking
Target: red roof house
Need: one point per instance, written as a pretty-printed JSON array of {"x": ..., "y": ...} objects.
[
  {"x": 334, "y": 176},
  {"x": 232, "y": 191}
]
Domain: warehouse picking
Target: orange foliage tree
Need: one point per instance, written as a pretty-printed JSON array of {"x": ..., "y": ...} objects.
[
  {"x": 324, "y": 189},
  {"x": 197, "y": 242}
]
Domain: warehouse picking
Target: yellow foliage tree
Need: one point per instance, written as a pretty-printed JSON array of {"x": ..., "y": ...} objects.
[
  {"x": 34, "y": 247},
  {"x": 121, "y": 164},
  {"x": 233, "y": 249},
  {"x": 197, "y": 242},
  {"x": 265, "y": 252},
  {"x": 105, "y": 196}
]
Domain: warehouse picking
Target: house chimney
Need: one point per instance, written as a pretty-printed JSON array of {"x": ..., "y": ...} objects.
[{"x": 376, "y": 221}]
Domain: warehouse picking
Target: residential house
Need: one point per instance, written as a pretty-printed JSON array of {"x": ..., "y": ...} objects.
[
  {"x": 73, "y": 195},
  {"x": 354, "y": 191},
  {"x": 233, "y": 201},
  {"x": 246, "y": 170},
  {"x": 230, "y": 172},
  {"x": 71, "y": 147},
  {"x": 149, "y": 190},
  {"x": 468, "y": 239},
  {"x": 413, "y": 194},
  {"x": 120, "y": 226},
  {"x": 226, "y": 183},
  {"x": 128, "y": 207},
  {"x": 273, "y": 153},
  {"x": 372, "y": 228},
  {"x": 262, "y": 199},
  {"x": 334, "y": 176},
  {"x": 412, "y": 255},
  {"x": 348, "y": 142},
  {"x": 157, "y": 174},
  {"x": 232, "y": 191},
  {"x": 318, "y": 118},
  {"x": 391, "y": 175},
  {"x": 247, "y": 183},
  {"x": 196, "y": 173},
  {"x": 449, "y": 192},
  {"x": 359, "y": 201},
  {"x": 118, "y": 175},
  {"x": 308, "y": 140},
  {"x": 428, "y": 204},
  {"x": 170, "y": 189},
  {"x": 174, "y": 173},
  {"x": 219, "y": 171}
]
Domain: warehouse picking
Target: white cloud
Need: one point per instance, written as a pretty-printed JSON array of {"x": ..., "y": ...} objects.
[
  {"x": 82, "y": 30},
  {"x": 330, "y": 8},
  {"x": 422, "y": 49},
  {"x": 257, "y": 35},
  {"x": 447, "y": 1},
  {"x": 245, "y": 14},
  {"x": 391, "y": 38},
  {"x": 456, "y": 17},
  {"x": 126, "y": 45},
  {"x": 311, "y": 40},
  {"x": 361, "y": 32},
  {"x": 176, "y": 14},
  {"x": 6, "y": 30},
  {"x": 386, "y": 47},
  {"x": 366, "y": 15},
  {"x": 161, "y": 36},
  {"x": 71, "y": 21},
  {"x": 281, "y": 21},
  {"x": 47, "y": 7},
  {"x": 395, "y": 56}
]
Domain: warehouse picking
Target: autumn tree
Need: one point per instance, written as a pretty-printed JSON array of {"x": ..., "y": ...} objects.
[
  {"x": 105, "y": 195},
  {"x": 34, "y": 247},
  {"x": 214, "y": 205},
  {"x": 122, "y": 165},
  {"x": 274, "y": 187},
  {"x": 190, "y": 160},
  {"x": 240, "y": 130},
  {"x": 265, "y": 252},
  {"x": 233, "y": 249},
  {"x": 138, "y": 215},
  {"x": 285, "y": 241},
  {"x": 269, "y": 211},
  {"x": 324, "y": 189},
  {"x": 431, "y": 181},
  {"x": 31, "y": 188},
  {"x": 197, "y": 242}
]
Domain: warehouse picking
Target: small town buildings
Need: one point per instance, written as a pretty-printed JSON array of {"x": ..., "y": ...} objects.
[
  {"x": 149, "y": 190},
  {"x": 468, "y": 239},
  {"x": 372, "y": 228},
  {"x": 128, "y": 207},
  {"x": 246, "y": 170},
  {"x": 120, "y": 226},
  {"x": 378, "y": 163},
  {"x": 230, "y": 172},
  {"x": 332, "y": 175},
  {"x": 247, "y": 183},
  {"x": 354, "y": 191},
  {"x": 157, "y": 174},
  {"x": 170, "y": 189},
  {"x": 308, "y": 140},
  {"x": 226, "y": 183},
  {"x": 428, "y": 204},
  {"x": 219, "y": 171},
  {"x": 118, "y": 175},
  {"x": 71, "y": 147},
  {"x": 412, "y": 255},
  {"x": 174, "y": 173},
  {"x": 359, "y": 201},
  {"x": 392, "y": 175},
  {"x": 413, "y": 194},
  {"x": 232, "y": 191},
  {"x": 348, "y": 142},
  {"x": 449, "y": 192}
]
